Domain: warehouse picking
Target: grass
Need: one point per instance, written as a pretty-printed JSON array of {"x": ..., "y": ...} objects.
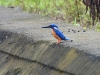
[{"x": 72, "y": 11}]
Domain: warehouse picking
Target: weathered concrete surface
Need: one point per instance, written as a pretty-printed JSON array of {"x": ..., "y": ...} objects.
[{"x": 27, "y": 49}]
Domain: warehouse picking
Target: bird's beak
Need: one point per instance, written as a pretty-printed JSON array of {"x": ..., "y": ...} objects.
[{"x": 46, "y": 27}]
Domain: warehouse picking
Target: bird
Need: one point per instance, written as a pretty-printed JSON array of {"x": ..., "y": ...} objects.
[{"x": 57, "y": 33}]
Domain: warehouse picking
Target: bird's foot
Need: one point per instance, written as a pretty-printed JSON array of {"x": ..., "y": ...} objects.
[{"x": 57, "y": 42}]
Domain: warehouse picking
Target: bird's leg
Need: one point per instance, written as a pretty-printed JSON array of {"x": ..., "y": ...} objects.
[{"x": 59, "y": 40}]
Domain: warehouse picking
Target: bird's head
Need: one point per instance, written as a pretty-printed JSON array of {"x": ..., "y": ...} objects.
[{"x": 52, "y": 26}]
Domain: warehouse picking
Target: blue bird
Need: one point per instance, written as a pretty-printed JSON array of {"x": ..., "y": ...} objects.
[{"x": 57, "y": 33}]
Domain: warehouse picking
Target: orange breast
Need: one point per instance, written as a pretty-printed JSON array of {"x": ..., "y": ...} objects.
[{"x": 54, "y": 34}]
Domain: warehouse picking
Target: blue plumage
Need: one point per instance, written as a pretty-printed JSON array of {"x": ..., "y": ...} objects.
[
  {"x": 60, "y": 34},
  {"x": 57, "y": 33}
]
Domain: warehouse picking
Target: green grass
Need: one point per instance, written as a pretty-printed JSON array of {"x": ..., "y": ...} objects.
[{"x": 72, "y": 11}]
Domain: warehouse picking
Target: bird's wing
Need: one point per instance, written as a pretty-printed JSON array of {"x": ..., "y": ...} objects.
[{"x": 60, "y": 34}]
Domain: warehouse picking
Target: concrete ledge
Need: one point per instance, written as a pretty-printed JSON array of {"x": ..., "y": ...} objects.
[{"x": 62, "y": 59}]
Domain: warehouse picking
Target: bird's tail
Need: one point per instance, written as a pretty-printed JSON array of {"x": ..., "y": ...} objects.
[{"x": 69, "y": 39}]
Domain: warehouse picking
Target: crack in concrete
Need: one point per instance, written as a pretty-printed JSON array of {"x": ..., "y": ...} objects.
[{"x": 29, "y": 60}]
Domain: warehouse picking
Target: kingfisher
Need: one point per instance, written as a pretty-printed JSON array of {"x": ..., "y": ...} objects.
[{"x": 57, "y": 33}]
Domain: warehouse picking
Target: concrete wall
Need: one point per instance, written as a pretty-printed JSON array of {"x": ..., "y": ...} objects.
[{"x": 21, "y": 55}]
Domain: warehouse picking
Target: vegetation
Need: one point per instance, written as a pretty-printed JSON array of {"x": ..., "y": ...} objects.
[
  {"x": 94, "y": 6},
  {"x": 72, "y": 11}
]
